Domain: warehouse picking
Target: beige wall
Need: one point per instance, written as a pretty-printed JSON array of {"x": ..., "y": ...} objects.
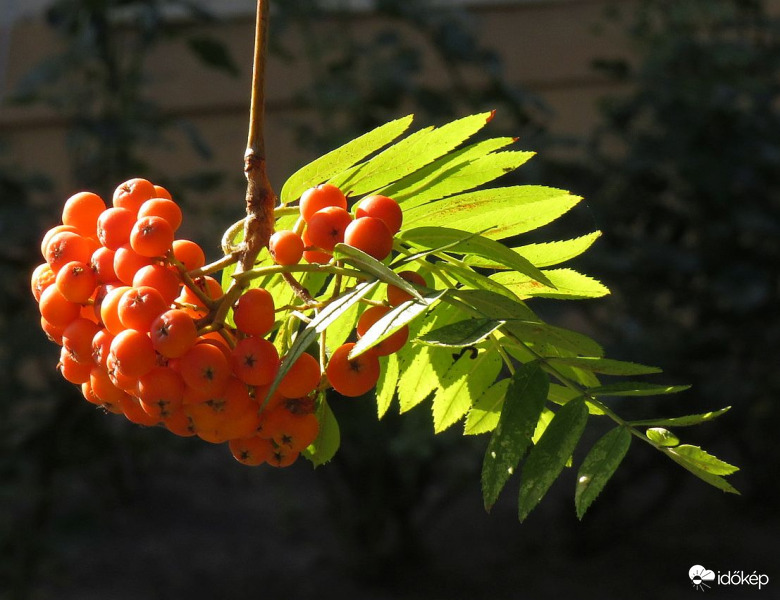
[{"x": 547, "y": 47}]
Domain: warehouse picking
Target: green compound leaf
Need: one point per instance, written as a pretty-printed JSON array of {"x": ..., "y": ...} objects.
[
  {"x": 341, "y": 159},
  {"x": 695, "y": 456},
  {"x": 328, "y": 439},
  {"x": 461, "y": 334},
  {"x": 408, "y": 155},
  {"x": 636, "y": 388},
  {"x": 456, "y": 165},
  {"x": 685, "y": 421},
  {"x": 465, "y": 381},
  {"x": 567, "y": 284},
  {"x": 434, "y": 237},
  {"x": 604, "y": 366},
  {"x": 512, "y": 436},
  {"x": 549, "y": 456},
  {"x": 499, "y": 212},
  {"x": 483, "y": 417},
  {"x": 599, "y": 465}
]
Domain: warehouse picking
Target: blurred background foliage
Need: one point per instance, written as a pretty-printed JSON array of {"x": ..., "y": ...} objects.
[{"x": 680, "y": 174}]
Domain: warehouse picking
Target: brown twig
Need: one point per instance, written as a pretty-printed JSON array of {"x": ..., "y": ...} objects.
[{"x": 260, "y": 197}]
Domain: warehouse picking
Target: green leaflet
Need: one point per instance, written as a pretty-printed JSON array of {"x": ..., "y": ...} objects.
[
  {"x": 467, "y": 176},
  {"x": 695, "y": 456},
  {"x": 408, "y": 155},
  {"x": 423, "y": 368},
  {"x": 461, "y": 334},
  {"x": 465, "y": 381},
  {"x": 472, "y": 279},
  {"x": 442, "y": 169},
  {"x": 328, "y": 439},
  {"x": 554, "y": 253},
  {"x": 512, "y": 436},
  {"x": 598, "y": 466},
  {"x": 494, "y": 306},
  {"x": 395, "y": 319},
  {"x": 685, "y": 421},
  {"x": 341, "y": 159},
  {"x": 704, "y": 471},
  {"x": 568, "y": 285},
  {"x": 635, "y": 388},
  {"x": 604, "y": 366},
  {"x": 548, "y": 457},
  {"x": 462, "y": 243},
  {"x": 544, "y": 335},
  {"x": 662, "y": 437},
  {"x": 385, "y": 387},
  {"x": 499, "y": 212},
  {"x": 483, "y": 416}
]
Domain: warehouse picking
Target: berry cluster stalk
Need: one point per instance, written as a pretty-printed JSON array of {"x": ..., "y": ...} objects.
[{"x": 260, "y": 197}]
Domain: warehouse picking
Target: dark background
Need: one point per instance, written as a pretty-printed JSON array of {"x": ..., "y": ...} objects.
[{"x": 680, "y": 172}]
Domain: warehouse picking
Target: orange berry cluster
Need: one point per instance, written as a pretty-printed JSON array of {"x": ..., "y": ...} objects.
[
  {"x": 327, "y": 222},
  {"x": 115, "y": 294}
]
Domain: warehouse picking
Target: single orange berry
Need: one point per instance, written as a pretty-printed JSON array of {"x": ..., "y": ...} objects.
[
  {"x": 383, "y": 208},
  {"x": 352, "y": 377},
  {"x": 253, "y": 313},
  {"x": 255, "y": 361},
  {"x": 76, "y": 281},
  {"x": 151, "y": 236},
  {"x": 370, "y": 235},
  {"x": 286, "y": 247},
  {"x": 133, "y": 193},
  {"x": 82, "y": 211},
  {"x": 164, "y": 208},
  {"x": 317, "y": 198},
  {"x": 301, "y": 378},
  {"x": 173, "y": 333}
]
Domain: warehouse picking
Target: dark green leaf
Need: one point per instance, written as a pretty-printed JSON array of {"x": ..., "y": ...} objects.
[
  {"x": 547, "y": 459},
  {"x": 522, "y": 406},
  {"x": 598, "y": 467}
]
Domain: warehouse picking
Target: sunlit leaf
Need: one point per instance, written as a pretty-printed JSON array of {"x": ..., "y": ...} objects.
[
  {"x": 483, "y": 416},
  {"x": 636, "y": 388},
  {"x": 324, "y": 448},
  {"x": 433, "y": 237},
  {"x": 408, "y": 155},
  {"x": 386, "y": 386},
  {"x": 460, "y": 334},
  {"x": 662, "y": 437},
  {"x": 695, "y": 456},
  {"x": 341, "y": 159},
  {"x": 498, "y": 212},
  {"x": 368, "y": 264},
  {"x": 568, "y": 285},
  {"x": 605, "y": 366},
  {"x": 465, "y": 381},
  {"x": 441, "y": 170}
]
